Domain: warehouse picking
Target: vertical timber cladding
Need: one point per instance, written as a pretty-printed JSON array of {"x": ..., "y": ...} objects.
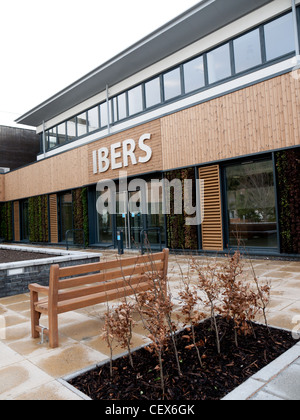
[
  {"x": 53, "y": 218},
  {"x": 17, "y": 233},
  {"x": 212, "y": 228},
  {"x": 2, "y": 188}
]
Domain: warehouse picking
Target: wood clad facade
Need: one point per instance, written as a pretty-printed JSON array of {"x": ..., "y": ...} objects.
[
  {"x": 2, "y": 188},
  {"x": 17, "y": 225},
  {"x": 252, "y": 120},
  {"x": 258, "y": 118},
  {"x": 212, "y": 229},
  {"x": 53, "y": 217}
]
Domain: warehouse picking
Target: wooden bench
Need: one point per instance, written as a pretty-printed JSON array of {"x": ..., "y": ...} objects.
[{"x": 73, "y": 288}]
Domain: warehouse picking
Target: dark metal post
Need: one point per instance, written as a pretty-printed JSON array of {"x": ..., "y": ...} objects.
[{"x": 120, "y": 242}]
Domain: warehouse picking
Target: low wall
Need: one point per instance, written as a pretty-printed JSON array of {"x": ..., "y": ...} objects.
[{"x": 15, "y": 277}]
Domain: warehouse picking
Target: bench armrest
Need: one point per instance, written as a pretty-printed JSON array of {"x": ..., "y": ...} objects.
[{"x": 39, "y": 289}]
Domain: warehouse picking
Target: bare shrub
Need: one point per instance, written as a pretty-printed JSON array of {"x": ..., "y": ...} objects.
[
  {"x": 209, "y": 291},
  {"x": 241, "y": 301}
]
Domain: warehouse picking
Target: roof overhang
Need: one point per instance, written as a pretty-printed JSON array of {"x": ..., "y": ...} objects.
[{"x": 194, "y": 24}]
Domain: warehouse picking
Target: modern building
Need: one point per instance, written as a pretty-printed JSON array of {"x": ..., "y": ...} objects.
[{"x": 212, "y": 95}]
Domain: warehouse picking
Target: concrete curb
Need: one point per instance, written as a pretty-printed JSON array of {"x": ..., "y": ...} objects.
[{"x": 50, "y": 256}]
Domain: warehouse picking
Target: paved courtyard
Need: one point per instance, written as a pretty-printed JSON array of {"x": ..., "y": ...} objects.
[{"x": 30, "y": 370}]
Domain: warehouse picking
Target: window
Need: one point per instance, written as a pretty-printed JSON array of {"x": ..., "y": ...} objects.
[
  {"x": 279, "y": 37},
  {"x": 61, "y": 133},
  {"x": 135, "y": 100},
  {"x": 172, "y": 84},
  {"x": 153, "y": 92},
  {"x": 251, "y": 205},
  {"x": 51, "y": 137},
  {"x": 247, "y": 51},
  {"x": 104, "y": 226},
  {"x": 66, "y": 214},
  {"x": 219, "y": 65},
  {"x": 194, "y": 75},
  {"x": 103, "y": 115},
  {"x": 122, "y": 106},
  {"x": 71, "y": 129},
  {"x": 82, "y": 124},
  {"x": 93, "y": 119}
]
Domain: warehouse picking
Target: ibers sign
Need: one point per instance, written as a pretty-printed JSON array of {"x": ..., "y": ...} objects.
[{"x": 121, "y": 155}]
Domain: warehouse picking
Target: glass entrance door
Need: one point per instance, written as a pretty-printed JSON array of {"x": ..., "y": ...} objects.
[{"x": 129, "y": 219}]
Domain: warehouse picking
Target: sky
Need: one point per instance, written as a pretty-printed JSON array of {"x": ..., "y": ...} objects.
[{"x": 47, "y": 45}]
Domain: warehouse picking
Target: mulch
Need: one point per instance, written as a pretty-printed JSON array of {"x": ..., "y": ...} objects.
[
  {"x": 8, "y": 256},
  {"x": 220, "y": 375}
]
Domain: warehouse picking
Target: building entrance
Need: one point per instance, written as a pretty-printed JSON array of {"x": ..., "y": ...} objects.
[{"x": 129, "y": 219}]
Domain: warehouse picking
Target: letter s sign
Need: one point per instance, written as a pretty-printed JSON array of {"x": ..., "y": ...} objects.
[{"x": 145, "y": 148}]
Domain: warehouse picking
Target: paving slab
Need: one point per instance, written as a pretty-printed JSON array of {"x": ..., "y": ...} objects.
[{"x": 286, "y": 385}]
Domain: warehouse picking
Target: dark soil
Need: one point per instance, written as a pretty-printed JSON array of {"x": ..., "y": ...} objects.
[
  {"x": 8, "y": 256},
  {"x": 220, "y": 375}
]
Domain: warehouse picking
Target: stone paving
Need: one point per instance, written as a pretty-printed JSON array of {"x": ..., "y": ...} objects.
[{"x": 30, "y": 370}]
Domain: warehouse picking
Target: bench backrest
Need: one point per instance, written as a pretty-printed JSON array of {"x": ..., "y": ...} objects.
[{"x": 84, "y": 280}]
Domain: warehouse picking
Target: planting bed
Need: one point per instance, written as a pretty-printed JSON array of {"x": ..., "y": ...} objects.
[
  {"x": 7, "y": 256},
  {"x": 220, "y": 374},
  {"x": 21, "y": 266}
]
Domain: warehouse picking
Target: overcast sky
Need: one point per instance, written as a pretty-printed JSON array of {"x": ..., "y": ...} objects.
[{"x": 48, "y": 44}]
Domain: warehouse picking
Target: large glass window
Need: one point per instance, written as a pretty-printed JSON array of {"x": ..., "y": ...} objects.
[
  {"x": 251, "y": 205},
  {"x": 71, "y": 129},
  {"x": 153, "y": 92},
  {"x": 93, "y": 119},
  {"x": 82, "y": 124},
  {"x": 135, "y": 100},
  {"x": 155, "y": 216},
  {"x": 51, "y": 137},
  {"x": 103, "y": 115},
  {"x": 122, "y": 106},
  {"x": 104, "y": 226},
  {"x": 61, "y": 133},
  {"x": 194, "y": 75},
  {"x": 172, "y": 84},
  {"x": 247, "y": 51},
  {"x": 66, "y": 214},
  {"x": 279, "y": 37},
  {"x": 219, "y": 64}
]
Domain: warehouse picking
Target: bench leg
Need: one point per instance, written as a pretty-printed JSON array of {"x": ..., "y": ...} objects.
[
  {"x": 53, "y": 329},
  {"x": 35, "y": 316}
]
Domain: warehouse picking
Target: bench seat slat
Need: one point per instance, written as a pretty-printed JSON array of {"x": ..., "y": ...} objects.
[
  {"x": 85, "y": 301},
  {"x": 102, "y": 277},
  {"x": 119, "y": 263},
  {"x": 103, "y": 287}
]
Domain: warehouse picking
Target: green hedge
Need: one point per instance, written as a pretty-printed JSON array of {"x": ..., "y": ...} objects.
[
  {"x": 38, "y": 219},
  {"x": 80, "y": 213},
  {"x": 288, "y": 178},
  {"x": 6, "y": 223},
  {"x": 180, "y": 235}
]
